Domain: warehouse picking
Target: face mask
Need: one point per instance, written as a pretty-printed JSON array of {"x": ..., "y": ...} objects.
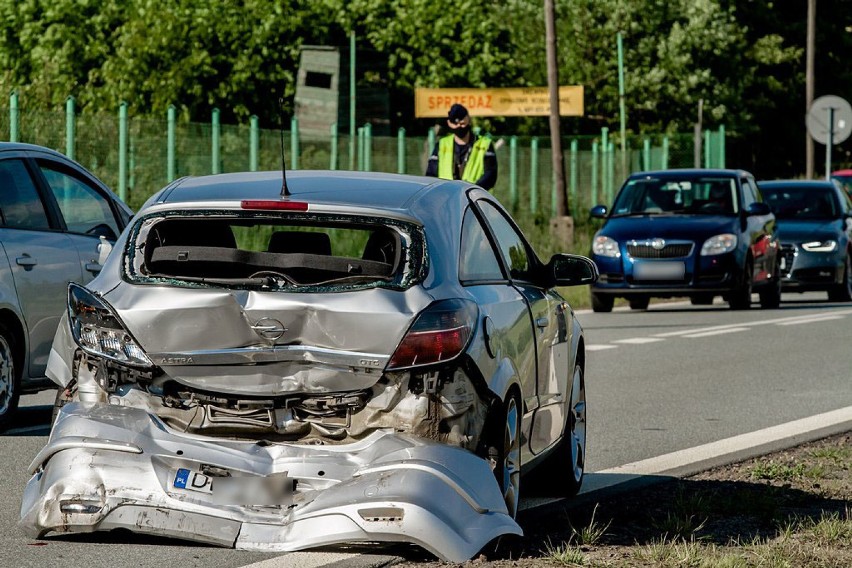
[{"x": 461, "y": 131}]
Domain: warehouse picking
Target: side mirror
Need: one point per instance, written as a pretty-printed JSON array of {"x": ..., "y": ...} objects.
[
  {"x": 598, "y": 212},
  {"x": 571, "y": 270},
  {"x": 758, "y": 208}
]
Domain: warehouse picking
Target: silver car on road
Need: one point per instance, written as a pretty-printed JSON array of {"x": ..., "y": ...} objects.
[{"x": 363, "y": 358}]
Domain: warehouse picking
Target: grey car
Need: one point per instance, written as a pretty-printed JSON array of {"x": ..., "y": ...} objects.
[
  {"x": 57, "y": 221},
  {"x": 374, "y": 358}
]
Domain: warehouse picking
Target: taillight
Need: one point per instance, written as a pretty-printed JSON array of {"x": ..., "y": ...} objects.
[
  {"x": 440, "y": 333},
  {"x": 274, "y": 205}
]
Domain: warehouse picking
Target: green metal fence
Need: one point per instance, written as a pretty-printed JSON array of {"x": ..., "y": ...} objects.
[{"x": 136, "y": 156}]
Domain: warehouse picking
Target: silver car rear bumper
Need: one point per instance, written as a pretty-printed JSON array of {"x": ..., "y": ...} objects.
[{"x": 108, "y": 467}]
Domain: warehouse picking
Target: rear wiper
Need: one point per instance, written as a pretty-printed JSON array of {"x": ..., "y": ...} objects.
[
  {"x": 260, "y": 282},
  {"x": 353, "y": 277}
]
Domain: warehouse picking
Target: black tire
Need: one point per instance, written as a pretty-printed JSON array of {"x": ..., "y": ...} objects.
[
  {"x": 639, "y": 303},
  {"x": 562, "y": 471},
  {"x": 740, "y": 299},
  {"x": 505, "y": 452},
  {"x": 843, "y": 292},
  {"x": 10, "y": 378},
  {"x": 770, "y": 294},
  {"x": 702, "y": 300},
  {"x": 602, "y": 302}
]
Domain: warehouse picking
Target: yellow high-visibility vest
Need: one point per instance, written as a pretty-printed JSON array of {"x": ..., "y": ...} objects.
[{"x": 475, "y": 166}]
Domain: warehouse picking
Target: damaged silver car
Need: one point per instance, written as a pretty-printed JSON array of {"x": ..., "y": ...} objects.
[{"x": 360, "y": 358}]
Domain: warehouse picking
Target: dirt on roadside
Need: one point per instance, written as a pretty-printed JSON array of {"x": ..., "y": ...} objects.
[{"x": 791, "y": 508}]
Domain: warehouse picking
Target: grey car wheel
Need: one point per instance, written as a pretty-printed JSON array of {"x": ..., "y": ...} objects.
[
  {"x": 576, "y": 432},
  {"x": 740, "y": 299},
  {"x": 9, "y": 391},
  {"x": 509, "y": 474}
]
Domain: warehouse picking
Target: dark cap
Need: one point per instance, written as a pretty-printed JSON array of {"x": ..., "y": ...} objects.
[{"x": 457, "y": 112}]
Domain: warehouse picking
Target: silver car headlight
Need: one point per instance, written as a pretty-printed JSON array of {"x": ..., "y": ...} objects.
[
  {"x": 605, "y": 246},
  {"x": 98, "y": 330},
  {"x": 820, "y": 246},
  {"x": 719, "y": 244}
]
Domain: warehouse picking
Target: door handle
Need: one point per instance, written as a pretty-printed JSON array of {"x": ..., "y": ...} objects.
[
  {"x": 93, "y": 267},
  {"x": 542, "y": 322},
  {"x": 26, "y": 261}
]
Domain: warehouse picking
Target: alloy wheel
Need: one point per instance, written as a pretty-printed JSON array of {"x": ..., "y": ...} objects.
[
  {"x": 577, "y": 426},
  {"x": 7, "y": 376},
  {"x": 511, "y": 475}
]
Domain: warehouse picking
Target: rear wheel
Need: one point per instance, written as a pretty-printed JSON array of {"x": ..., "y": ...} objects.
[
  {"x": 770, "y": 294},
  {"x": 602, "y": 302},
  {"x": 740, "y": 298},
  {"x": 505, "y": 454},
  {"x": 843, "y": 292},
  {"x": 639, "y": 303},
  {"x": 9, "y": 379}
]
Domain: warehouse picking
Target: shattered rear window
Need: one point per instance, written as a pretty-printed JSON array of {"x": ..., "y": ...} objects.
[{"x": 281, "y": 252}]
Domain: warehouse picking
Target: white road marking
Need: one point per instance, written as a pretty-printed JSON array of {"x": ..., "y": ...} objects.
[
  {"x": 599, "y": 347},
  {"x": 639, "y": 340},
  {"x": 752, "y": 323},
  {"x": 303, "y": 560},
  {"x": 812, "y": 320},
  {"x": 716, "y": 332}
]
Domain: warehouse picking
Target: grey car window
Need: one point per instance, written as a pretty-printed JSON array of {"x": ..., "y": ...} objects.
[
  {"x": 477, "y": 260},
  {"x": 20, "y": 204},
  {"x": 85, "y": 210},
  {"x": 749, "y": 196},
  {"x": 511, "y": 244}
]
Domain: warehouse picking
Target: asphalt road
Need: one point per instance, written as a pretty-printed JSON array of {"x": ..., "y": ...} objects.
[{"x": 667, "y": 379}]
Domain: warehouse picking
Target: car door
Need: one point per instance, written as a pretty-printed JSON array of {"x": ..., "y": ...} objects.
[
  {"x": 547, "y": 328},
  {"x": 42, "y": 258},
  {"x": 760, "y": 230},
  {"x": 87, "y": 212}
]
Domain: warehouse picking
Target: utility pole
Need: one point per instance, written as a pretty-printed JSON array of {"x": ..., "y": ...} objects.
[
  {"x": 809, "y": 86},
  {"x": 562, "y": 224}
]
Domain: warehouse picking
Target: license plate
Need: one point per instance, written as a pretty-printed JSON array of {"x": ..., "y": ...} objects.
[
  {"x": 193, "y": 481},
  {"x": 659, "y": 271},
  {"x": 783, "y": 263}
]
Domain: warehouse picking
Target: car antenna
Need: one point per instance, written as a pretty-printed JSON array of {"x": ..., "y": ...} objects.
[{"x": 285, "y": 191}]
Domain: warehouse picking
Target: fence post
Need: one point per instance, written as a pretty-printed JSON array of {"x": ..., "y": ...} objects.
[
  {"x": 534, "y": 175},
  {"x": 664, "y": 159},
  {"x": 332, "y": 161},
  {"x": 254, "y": 142},
  {"x": 513, "y": 172},
  {"x": 214, "y": 150},
  {"x": 611, "y": 174},
  {"x": 574, "y": 175},
  {"x": 707, "y": 157},
  {"x": 14, "y": 117},
  {"x": 70, "y": 127},
  {"x": 594, "y": 195},
  {"x": 360, "y": 148},
  {"x": 171, "y": 119},
  {"x": 131, "y": 170},
  {"x": 122, "y": 151},
  {"x": 400, "y": 150},
  {"x": 431, "y": 141},
  {"x": 368, "y": 147},
  {"x": 646, "y": 154},
  {"x": 722, "y": 146},
  {"x": 605, "y": 161},
  {"x": 294, "y": 143}
]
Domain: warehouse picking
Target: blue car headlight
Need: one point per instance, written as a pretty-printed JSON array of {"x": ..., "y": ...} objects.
[
  {"x": 605, "y": 246},
  {"x": 719, "y": 244}
]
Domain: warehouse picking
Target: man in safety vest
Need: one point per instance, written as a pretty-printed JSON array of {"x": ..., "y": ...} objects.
[{"x": 462, "y": 154}]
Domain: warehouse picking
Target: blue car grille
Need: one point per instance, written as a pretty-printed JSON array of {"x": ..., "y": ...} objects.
[{"x": 673, "y": 250}]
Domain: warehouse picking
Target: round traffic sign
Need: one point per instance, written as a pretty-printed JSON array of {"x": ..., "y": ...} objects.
[{"x": 817, "y": 120}]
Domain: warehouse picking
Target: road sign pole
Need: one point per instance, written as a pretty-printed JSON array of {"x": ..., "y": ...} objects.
[{"x": 829, "y": 142}]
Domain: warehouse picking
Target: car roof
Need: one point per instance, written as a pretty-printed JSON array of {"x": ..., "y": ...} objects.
[
  {"x": 21, "y": 146},
  {"x": 796, "y": 183},
  {"x": 688, "y": 172},
  {"x": 363, "y": 189}
]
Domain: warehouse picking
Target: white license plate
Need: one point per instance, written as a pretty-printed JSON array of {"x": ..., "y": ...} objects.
[
  {"x": 659, "y": 271},
  {"x": 193, "y": 481}
]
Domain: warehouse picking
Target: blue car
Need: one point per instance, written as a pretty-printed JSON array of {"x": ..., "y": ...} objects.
[
  {"x": 814, "y": 226},
  {"x": 693, "y": 233}
]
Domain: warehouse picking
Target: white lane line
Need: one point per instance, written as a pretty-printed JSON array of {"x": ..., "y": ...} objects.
[
  {"x": 638, "y": 340},
  {"x": 812, "y": 320},
  {"x": 303, "y": 560},
  {"x": 752, "y": 323},
  {"x": 599, "y": 347},
  {"x": 797, "y": 431},
  {"x": 716, "y": 332}
]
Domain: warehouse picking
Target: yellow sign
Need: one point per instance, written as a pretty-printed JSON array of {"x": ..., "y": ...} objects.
[{"x": 520, "y": 101}]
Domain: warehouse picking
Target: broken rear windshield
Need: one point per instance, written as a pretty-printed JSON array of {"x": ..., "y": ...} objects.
[{"x": 262, "y": 251}]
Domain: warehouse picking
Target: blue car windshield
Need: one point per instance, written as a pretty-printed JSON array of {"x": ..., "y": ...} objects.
[
  {"x": 700, "y": 195},
  {"x": 801, "y": 202}
]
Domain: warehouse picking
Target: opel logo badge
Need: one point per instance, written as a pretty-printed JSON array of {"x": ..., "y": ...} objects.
[
  {"x": 269, "y": 328},
  {"x": 658, "y": 244}
]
